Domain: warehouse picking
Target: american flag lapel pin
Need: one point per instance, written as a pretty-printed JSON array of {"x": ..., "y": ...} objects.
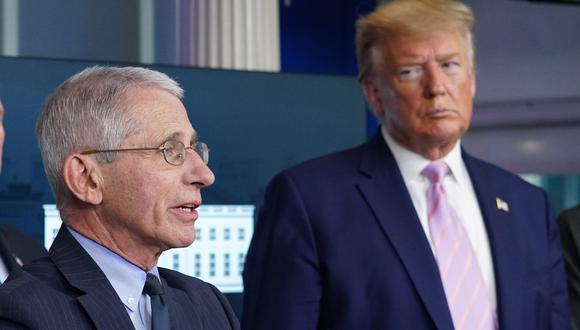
[
  {"x": 501, "y": 204},
  {"x": 18, "y": 260}
]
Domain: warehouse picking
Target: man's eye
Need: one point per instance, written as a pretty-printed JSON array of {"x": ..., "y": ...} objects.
[
  {"x": 450, "y": 66},
  {"x": 410, "y": 73},
  {"x": 172, "y": 152}
]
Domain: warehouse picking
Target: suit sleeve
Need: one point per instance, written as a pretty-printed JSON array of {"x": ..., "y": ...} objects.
[
  {"x": 560, "y": 306},
  {"x": 569, "y": 224},
  {"x": 282, "y": 277}
]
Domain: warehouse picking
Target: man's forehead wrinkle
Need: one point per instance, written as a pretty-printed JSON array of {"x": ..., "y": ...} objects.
[
  {"x": 176, "y": 136},
  {"x": 419, "y": 59},
  {"x": 180, "y": 135},
  {"x": 447, "y": 56}
]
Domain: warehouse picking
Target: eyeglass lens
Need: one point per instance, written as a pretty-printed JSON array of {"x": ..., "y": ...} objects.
[{"x": 174, "y": 152}]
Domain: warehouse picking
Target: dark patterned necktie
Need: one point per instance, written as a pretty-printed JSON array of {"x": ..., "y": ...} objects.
[{"x": 159, "y": 310}]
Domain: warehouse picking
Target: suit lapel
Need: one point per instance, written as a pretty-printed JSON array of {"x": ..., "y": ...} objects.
[
  {"x": 506, "y": 263},
  {"x": 179, "y": 305},
  {"x": 100, "y": 300},
  {"x": 387, "y": 196}
]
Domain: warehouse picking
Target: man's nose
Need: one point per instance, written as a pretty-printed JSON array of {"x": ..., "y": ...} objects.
[
  {"x": 207, "y": 177},
  {"x": 199, "y": 172},
  {"x": 434, "y": 81}
]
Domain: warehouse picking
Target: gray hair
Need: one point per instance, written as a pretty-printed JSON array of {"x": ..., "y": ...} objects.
[{"x": 87, "y": 111}]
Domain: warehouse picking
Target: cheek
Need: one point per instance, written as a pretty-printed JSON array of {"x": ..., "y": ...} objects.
[
  {"x": 409, "y": 96},
  {"x": 408, "y": 108},
  {"x": 136, "y": 190},
  {"x": 124, "y": 197},
  {"x": 465, "y": 86},
  {"x": 160, "y": 193},
  {"x": 466, "y": 103}
]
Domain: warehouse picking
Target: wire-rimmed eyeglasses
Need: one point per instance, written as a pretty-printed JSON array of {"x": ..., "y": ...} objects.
[{"x": 173, "y": 151}]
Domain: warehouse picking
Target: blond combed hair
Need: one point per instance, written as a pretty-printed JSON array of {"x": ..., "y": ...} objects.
[{"x": 415, "y": 18}]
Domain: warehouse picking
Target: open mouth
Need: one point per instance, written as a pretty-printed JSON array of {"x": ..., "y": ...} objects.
[{"x": 186, "y": 208}]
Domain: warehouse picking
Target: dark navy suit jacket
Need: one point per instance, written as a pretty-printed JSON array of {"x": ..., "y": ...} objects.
[
  {"x": 338, "y": 245},
  {"x": 17, "y": 248},
  {"x": 67, "y": 290}
]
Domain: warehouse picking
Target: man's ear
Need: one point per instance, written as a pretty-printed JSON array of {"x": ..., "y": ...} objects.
[
  {"x": 83, "y": 178},
  {"x": 372, "y": 95}
]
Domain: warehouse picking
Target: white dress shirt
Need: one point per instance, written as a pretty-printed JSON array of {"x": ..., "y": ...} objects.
[{"x": 461, "y": 196}]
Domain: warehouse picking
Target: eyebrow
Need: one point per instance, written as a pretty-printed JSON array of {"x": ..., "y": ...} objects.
[
  {"x": 416, "y": 60},
  {"x": 446, "y": 57},
  {"x": 178, "y": 136}
]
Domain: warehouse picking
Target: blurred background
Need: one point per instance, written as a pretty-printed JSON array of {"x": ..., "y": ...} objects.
[{"x": 271, "y": 83}]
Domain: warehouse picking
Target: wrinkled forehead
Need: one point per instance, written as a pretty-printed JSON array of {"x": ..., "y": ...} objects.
[
  {"x": 412, "y": 43},
  {"x": 159, "y": 115}
]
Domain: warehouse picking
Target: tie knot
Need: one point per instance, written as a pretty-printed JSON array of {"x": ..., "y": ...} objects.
[
  {"x": 435, "y": 171},
  {"x": 152, "y": 285}
]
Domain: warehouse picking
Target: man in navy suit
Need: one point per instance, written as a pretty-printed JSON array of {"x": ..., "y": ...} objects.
[
  {"x": 16, "y": 248},
  {"x": 127, "y": 170},
  {"x": 346, "y": 241}
]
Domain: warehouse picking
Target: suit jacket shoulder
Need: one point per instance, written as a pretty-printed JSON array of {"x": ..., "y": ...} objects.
[
  {"x": 213, "y": 311},
  {"x": 62, "y": 291},
  {"x": 37, "y": 297},
  {"x": 525, "y": 245},
  {"x": 569, "y": 225},
  {"x": 22, "y": 246},
  {"x": 571, "y": 218}
]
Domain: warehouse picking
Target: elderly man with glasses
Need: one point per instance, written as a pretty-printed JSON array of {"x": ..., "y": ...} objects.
[{"x": 127, "y": 169}]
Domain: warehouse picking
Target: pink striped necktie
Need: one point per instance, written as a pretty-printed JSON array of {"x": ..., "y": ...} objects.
[{"x": 467, "y": 295}]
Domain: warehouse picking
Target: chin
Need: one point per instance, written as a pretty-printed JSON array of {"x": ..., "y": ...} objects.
[
  {"x": 180, "y": 239},
  {"x": 447, "y": 132},
  {"x": 187, "y": 241},
  {"x": 184, "y": 241}
]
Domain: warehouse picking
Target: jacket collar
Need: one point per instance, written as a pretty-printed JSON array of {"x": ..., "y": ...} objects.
[{"x": 82, "y": 273}]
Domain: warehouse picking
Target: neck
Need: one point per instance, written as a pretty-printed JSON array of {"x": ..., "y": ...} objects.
[
  {"x": 119, "y": 240},
  {"x": 429, "y": 149},
  {"x": 432, "y": 153}
]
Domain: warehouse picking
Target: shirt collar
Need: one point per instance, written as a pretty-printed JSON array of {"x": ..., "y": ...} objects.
[
  {"x": 127, "y": 279},
  {"x": 411, "y": 163}
]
